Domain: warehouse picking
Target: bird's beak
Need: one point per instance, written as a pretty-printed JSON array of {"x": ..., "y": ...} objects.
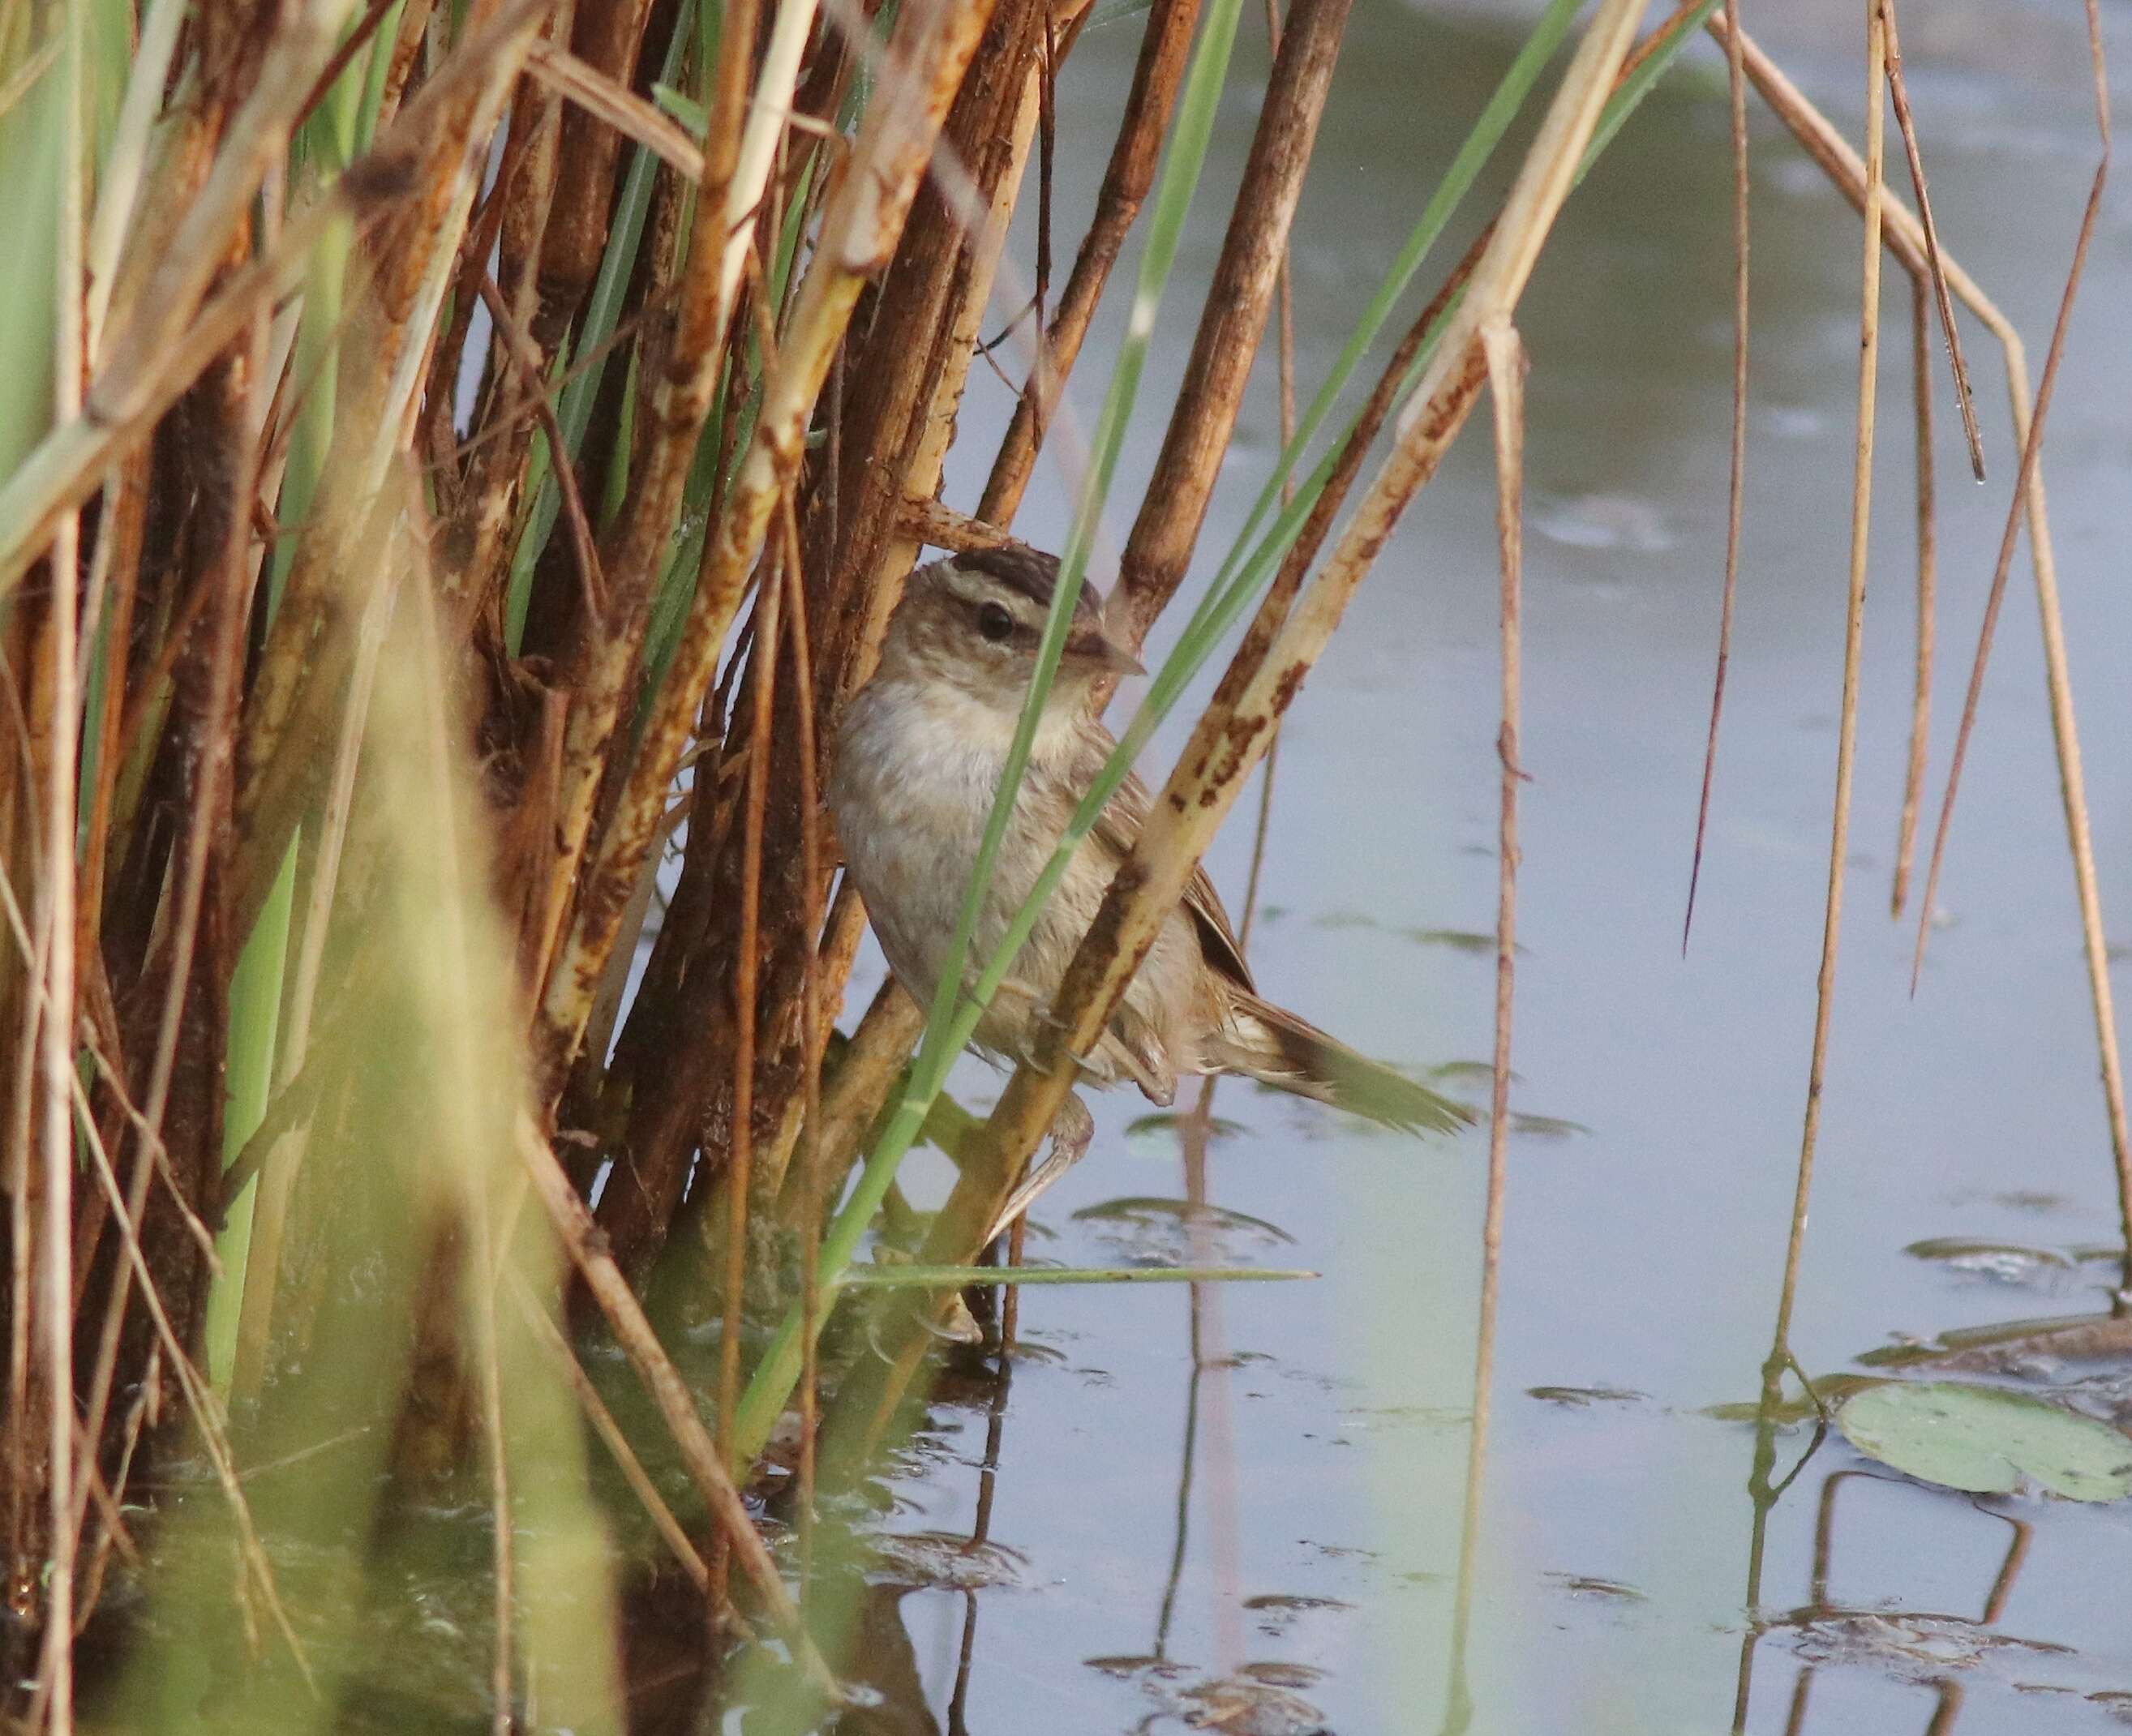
[{"x": 1114, "y": 659}]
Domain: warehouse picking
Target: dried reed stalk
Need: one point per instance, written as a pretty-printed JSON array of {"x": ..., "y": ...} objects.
[
  {"x": 1854, "y": 629},
  {"x": 1736, "y": 84},
  {"x": 1239, "y": 297}
]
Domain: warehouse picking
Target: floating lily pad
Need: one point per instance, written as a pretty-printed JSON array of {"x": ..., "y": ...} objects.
[{"x": 1987, "y": 1440}]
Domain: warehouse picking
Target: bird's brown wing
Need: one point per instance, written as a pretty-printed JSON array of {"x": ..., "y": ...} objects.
[{"x": 1119, "y": 830}]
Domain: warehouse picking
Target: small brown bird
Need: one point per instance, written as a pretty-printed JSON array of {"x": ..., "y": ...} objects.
[{"x": 920, "y": 749}]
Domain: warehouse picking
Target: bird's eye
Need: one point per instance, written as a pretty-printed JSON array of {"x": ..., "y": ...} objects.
[{"x": 996, "y": 623}]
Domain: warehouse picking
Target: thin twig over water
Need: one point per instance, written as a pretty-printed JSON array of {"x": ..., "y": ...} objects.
[{"x": 1735, "y": 81}]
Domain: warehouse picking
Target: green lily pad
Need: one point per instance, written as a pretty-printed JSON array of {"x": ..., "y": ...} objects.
[{"x": 1986, "y": 1440}]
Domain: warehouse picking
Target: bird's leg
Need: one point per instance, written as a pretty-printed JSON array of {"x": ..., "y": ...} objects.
[{"x": 1072, "y": 1128}]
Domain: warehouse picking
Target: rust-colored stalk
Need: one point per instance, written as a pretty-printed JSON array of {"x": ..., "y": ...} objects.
[
  {"x": 740, "y": 1159},
  {"x": 1736, "y": 79},
  {"x": 1506, "y": 370},
  {"x": 1854, "y": 630},
  {"x": 1239, "y": 298},
  {"x": 1914, "y": 771}
]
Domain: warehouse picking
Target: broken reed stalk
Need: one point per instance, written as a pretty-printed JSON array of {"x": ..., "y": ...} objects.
[
  {"x": 1899, "y": 93},
  {"x": 1928, "y": 541},
  {"x": 1854, "y": 629},
  {"x": 1735, "y": 87},
  {"x": 1231, "y": 736}
]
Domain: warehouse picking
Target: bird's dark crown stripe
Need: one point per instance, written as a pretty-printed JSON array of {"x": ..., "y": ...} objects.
[{"x": 1029, "y": 573}]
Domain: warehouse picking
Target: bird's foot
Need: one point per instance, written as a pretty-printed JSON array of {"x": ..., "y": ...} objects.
[{"x": 1072, "y": 1129}]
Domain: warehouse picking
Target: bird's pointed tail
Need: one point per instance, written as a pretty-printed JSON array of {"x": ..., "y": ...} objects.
[{"x": 1277, "y": 1048}]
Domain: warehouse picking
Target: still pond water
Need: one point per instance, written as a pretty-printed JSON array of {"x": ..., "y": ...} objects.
[{"x": 1263, "y": 1537}]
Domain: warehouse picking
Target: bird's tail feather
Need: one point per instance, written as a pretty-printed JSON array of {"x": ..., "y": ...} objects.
[{"x": 1276, "y": 1047}]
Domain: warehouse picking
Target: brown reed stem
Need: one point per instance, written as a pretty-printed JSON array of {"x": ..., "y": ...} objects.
[
  {"x": 633, "y": 1332},
  {"x": 56, "y": 892},
  {"x": 1736, "y": 83},
  {"x": 550, "y": 1338},
  {"x": 1899, "y": 92},
  {"x": 812, "y": 1029},
  {"x": 2071, "y": 781},
  {"x": 1232, "y": 319},
  {"x": 1507, "y": 369},
  {"x": 1913, "y": 773},
  {"x": 1861, "y": 511},
  {"x": 738, "y": 1179}
]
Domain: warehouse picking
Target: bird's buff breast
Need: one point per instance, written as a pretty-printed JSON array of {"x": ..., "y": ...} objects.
[
  {"x": 914, "y": 783},
  {"x": 916, "y": 774}
]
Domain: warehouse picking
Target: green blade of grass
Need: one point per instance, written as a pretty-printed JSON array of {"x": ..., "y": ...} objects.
[
  {"x": 254, "y": 1013},
  {"x": 958, "y": 1278}
]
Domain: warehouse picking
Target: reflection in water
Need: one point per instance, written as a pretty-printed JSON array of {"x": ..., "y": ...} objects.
[
  {"x": 1915, "y": 1645},
  {"x": 987, "y": 1488}
]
